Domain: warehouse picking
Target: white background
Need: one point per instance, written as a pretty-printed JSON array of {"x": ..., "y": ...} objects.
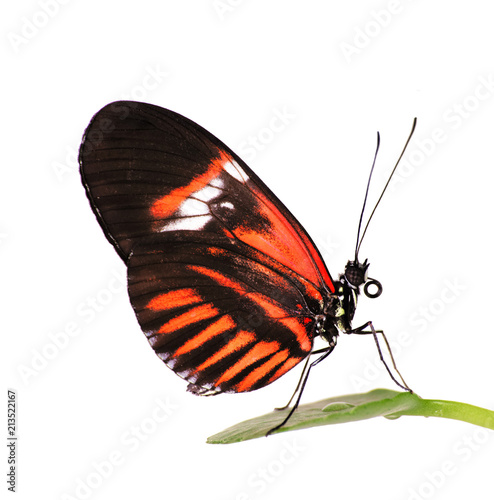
[{"x": 338, "y": 71}]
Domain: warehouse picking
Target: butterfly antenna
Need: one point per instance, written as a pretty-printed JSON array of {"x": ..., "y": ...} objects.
[
  {"x": 357, "y": 245},
  {"x": 385, "y": 187}
]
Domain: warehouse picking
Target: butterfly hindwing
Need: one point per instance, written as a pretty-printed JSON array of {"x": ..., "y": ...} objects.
[
  {"x": 221, "y": 319},
  {"x": 224, "y": 281}
]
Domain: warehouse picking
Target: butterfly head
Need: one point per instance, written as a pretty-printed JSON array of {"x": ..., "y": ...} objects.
[
  {"x": 356, "y": 273},
  {"x": 355, "y": 276}
]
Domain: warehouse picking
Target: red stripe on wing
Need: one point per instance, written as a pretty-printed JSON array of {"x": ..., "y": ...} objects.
[
  {"x": 174, "y": 299},
  {"x": 259, "y": 351},
  {"x": 199, "y": 313},
  {"x": 286, "y": 366},
  {"x": 295, "y": 325},
  {"x": 220, "y": 326},
  {"x": 249, "y": 381},
  {"x": 240, "y": 340},
  {"x": 286, "y": 245},
  {"x": 167, "y": 205}
]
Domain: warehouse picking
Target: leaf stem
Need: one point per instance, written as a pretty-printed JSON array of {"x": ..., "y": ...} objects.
[{"x": 450, "y": 409}]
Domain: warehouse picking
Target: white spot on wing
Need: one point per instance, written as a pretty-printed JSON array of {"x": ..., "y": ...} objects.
[
  {"x": 188, "y": 223},
  {"x": 194, "y": 212},
  {"x": 207, "y": 193},
  {"x": 233, "y": 168},
  {"x": 217, "y": 182},
  {"x": 164, "y": 356},
  {"x": 191, "y": 207},
  {"x": 227, "y": 204},
  {"x": 169, "y": 362}
]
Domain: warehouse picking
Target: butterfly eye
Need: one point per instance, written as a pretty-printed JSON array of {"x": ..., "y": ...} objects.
[{"x": 373, "y": 294}]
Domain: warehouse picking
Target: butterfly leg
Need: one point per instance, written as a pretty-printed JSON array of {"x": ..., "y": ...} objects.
[
  {"x": 361, "y": 330},
  {"x": 306, "y": 364},
  {"x": 303, "y": 380}
]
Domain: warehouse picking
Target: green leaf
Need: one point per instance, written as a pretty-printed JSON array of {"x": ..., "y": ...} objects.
[{"x": 353, "y": 407}]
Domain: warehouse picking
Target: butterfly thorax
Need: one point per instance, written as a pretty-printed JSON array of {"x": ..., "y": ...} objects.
[{"x": 339, "y": 308}]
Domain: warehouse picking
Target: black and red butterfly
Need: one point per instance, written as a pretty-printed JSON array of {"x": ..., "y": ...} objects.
[{"x": 226, "y": 284}]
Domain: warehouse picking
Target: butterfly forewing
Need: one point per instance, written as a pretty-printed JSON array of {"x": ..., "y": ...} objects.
[{"x": 224, "y": 281}]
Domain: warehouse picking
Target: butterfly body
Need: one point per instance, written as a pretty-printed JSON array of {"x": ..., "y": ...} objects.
[{"x": 226, "y": 284}]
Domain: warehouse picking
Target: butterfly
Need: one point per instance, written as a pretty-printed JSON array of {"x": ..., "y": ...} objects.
[{"x": 226, "y": 284}]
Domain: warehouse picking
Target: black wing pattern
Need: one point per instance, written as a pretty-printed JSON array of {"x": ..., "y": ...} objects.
[{"x": 225, "y": 283}]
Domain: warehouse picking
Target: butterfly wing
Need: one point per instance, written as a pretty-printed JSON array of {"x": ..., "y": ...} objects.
[{"x": 224, "y": 281}]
